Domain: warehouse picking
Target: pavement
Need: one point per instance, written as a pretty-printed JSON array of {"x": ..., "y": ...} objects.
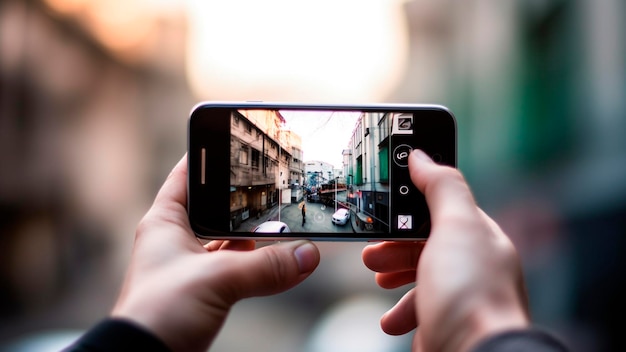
[
  {"x": 249, "y": 224},
  {"x": 318, "y": 219},
  {"x": 353, "y": 220}
]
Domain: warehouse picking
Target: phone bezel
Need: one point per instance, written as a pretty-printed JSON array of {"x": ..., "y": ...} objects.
[{"x": 216, "y": 134}]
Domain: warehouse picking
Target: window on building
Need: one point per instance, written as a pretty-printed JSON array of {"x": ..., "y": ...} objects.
[
  {"x": 255, "y": 158},
  {"x": 271, "y": 166},
  {"x": 383, "y": 158},
  {"x": 383, "y": 128},
  {"x": 243, "y": 155},
  {"x": 358, "y": 177},
  {"x": 238, "y": 118}
]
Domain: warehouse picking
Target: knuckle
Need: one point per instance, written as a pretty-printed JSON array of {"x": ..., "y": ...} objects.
[
  {"x": 143, "y": 227},
  {"x": 452, "y": 176}
]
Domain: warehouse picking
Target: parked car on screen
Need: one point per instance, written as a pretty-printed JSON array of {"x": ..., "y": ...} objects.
[
  {"x": 341, "y": 216},
  {"x": 272, "y": 227}
]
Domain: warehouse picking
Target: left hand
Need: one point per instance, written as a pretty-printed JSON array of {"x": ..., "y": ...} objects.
[{"x": 181, "y": 290}]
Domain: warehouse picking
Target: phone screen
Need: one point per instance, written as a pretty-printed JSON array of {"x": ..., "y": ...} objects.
[{"x": 335, "y": 173}]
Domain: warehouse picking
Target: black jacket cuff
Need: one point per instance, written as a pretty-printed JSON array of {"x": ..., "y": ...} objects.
[
  {"x": 117, "y": 335},
  {"x": 535, "y": 340}
]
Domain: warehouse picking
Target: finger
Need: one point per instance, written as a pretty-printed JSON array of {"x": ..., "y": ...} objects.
[
  {"x": 213, "y": 245},
  {"x": 495, "y": 228},
  {"x": 446, "y": 191},
  {"x": 396, "y": 279},
  {"x": 417, "y": 345},
  {"x": 392, "y": 256},
  {"x": 236, "y": 245},
  {"x": 268, "y": 270},
  {"x": 402, "y": 318}
]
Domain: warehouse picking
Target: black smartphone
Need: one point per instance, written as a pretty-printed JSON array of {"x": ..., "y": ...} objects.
[{"x": 321, "y": 172}]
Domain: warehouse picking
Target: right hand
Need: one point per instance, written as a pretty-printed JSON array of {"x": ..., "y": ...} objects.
[{"x": 469, "y": 282}]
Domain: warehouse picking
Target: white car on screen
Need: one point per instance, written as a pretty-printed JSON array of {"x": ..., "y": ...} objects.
[
  {"x": 272, "y": 227},
  {"x": 341, "y": 216}
]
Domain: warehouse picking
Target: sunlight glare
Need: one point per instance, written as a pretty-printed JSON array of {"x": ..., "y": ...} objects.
[{"x": 285, "y": 50}]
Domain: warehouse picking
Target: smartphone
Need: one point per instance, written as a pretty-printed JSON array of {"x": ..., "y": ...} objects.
[{"x": 322, "y": 172}]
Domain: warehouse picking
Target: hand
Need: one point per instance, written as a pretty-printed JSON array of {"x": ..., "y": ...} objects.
[
  {"x": 468, "y": 277},
  {"x": 181, "y": 290}
]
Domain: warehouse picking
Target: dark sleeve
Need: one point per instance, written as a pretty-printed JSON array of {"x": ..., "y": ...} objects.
[
  {"x": 534, "y": 340},
  {"x": 117, "y": 335}
]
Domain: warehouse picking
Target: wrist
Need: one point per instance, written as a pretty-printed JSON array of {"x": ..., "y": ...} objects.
[
  {"x": 177, "y": 325},
  {"x": 492, "y": 321},
  {"x": 486, "y": 317}
]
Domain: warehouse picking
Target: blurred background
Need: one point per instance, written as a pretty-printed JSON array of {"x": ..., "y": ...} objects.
[{"x": 95, "y": 95}]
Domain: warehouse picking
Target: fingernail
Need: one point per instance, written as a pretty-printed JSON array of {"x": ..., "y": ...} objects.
[
  {"x": 422, "y": 156},
  {"x": 307, "y": 257}
]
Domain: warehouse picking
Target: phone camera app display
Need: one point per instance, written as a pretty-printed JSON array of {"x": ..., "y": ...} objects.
[{"x": 314, "y": 171}]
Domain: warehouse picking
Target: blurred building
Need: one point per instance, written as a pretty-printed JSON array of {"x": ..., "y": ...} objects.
[{"x": 92, "y": 116}]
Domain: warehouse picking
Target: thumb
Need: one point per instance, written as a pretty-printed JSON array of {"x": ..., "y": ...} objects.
[
  {"x": 445, "y": 189},
  {"x": 269, "y": 270}
]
